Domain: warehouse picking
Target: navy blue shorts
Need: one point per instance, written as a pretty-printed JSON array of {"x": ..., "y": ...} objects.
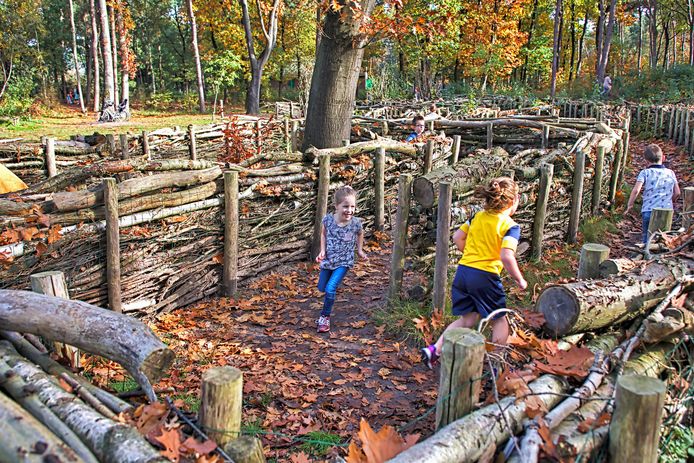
[{"x": 477, "y": 291}]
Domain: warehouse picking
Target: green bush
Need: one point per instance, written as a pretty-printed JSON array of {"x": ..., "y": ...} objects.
[
  {"x": 658, "y": 86},
  {"x": 18, "y": 97}
]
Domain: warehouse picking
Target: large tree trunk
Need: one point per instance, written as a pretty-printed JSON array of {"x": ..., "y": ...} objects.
[
  {"x": 124, "y": 45},
  {"x": 74, "y": 55},
  {"x": 573, "y": 40},
  {"x": 112, "y": 335},
  {"x": 95, "y": 56},
  {"x": 114, "y": 52},
  {"x": 89, "y": 61},
  {"x": 196, "y": 55},
  {"x": 640, "y": 43},
  {"x": 607, "y": 40},
  {"x": 531, "y": 29},
  {"x": 335, "y": 76},
  {"x": 107, "y": 55},
  {"x": 587, "y": 305},
  {"x": 652, "y": 14},
  {"x": 580, "y": 43},
  {"x": 558, "y": 13}
]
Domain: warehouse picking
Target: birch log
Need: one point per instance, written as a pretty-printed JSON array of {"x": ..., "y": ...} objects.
[{"x": 117, "y": 337}]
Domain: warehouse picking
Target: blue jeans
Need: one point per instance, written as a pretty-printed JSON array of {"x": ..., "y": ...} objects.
[
  {"x": 646, "y": 219},
  {"x": 328, "y": 282}
]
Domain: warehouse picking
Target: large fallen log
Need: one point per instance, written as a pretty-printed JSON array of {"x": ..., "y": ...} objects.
[
  {"x": 591, "y": 304},
  {"x": 466, "y": 439},
  {"x": 463, "y": 176},
  {"x": 110, "y": 441},
  {"x": 360, "y": 148},
  {"x": 115, "y": 336}
]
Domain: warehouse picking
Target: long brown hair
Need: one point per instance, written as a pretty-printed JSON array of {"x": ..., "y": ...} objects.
[{"x": 498, "y": 194}]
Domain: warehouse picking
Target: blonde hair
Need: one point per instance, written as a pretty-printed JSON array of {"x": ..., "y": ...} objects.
[
  {"x": 342, "y": 193},
  {"x": 499, "y": 194}
]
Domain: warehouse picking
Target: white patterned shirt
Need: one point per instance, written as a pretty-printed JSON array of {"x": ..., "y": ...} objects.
[
  {"x": 658, "y": 185},
  {"x": 340, "y": 242}
]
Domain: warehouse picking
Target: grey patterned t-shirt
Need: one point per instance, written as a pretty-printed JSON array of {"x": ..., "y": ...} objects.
[
  {"x": 340, "y": 242},
  {"x": 658, "y": 185}
]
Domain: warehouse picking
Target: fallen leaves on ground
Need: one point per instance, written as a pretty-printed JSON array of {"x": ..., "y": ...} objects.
[{"x": 378, "y": 447}]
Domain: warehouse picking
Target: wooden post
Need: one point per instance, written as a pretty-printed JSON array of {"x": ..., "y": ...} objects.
[
  {"x": 443, "y": 232},
  {"x": 671, "y": 124},
  {"x": 545, "y": 136},
  {"x": 685, "y": 140},
  {"x": 124, "y": 149},
  {"x": 635, "y": 426},
  {"x": 321, "y": 202},
  {"x": 614, "y": 175},
  {"x": 112, "y": 245},
  {"x": 397, "y": 260},
  {"x": 490, "y": 136},
  {"x": 221, "y": 109},
  {"x": 597, "y": 180},
  {"x": 688, "y": 207},
  {"x": 462, "y": 358},
  {"x": 145, "y": 145},
  {"x": 455, "y": 154},
  {"x": 431, "y": 126},
  {"x": 379, "y": 187},
  {"x": 258, "y": 137},
  {"x": 51, "y": 168},
  {"x": 576, "y": 196},
  {"x": 661, "y": 220},
  {"x": 546, "y": 174},
  {"x": 295, "y": 136},
  {"x": 221, "y": 399},
  {"x": 111, "y": 141},
  {"x": 246, "y": 449},
  {"x": 429, "y": 156},
  {"x": 592, "y": 255},
  {"x": 231, "y": 233},
  {"x": 53, "y": 284},
  {"x": 384, "y": 127},
  {"x": 192, "y": 148}
]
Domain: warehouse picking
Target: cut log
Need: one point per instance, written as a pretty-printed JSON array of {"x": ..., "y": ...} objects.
[
  {"x": 361, "y": 148},
  {"x": 463, "y": 176},
  {"x": 221, "y": 403},
  {"x": 466, "y": 439},
  {"x": 111, "y": 442},
  {"x": 610, "y": 267},
  {"x": 24, "y": 439},
  {"x": 114, "y": 336},
  {"x": 246, "y": 449},
  {"x": 587, "y": 305}
]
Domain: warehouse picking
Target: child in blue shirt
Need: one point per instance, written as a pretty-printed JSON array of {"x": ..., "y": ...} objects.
[
  {"x": 418, "y": 126},
  {"x": 660, "y": 188}
]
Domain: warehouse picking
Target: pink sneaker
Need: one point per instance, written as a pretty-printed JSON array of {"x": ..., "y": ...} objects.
[
  {"x": 429, "y": 356},
  {"x": 323, "y": 324}
]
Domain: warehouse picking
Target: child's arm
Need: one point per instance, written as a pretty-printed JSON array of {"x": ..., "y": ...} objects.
[
  {"x": 675, "y": 192},
  {"x": 508, "y": 258},
  {"x": 460, "y": 238},
  {"x": 634, "y": 194},
  {"x": 360, "y": 245},
  {"x": 323, "y": 240}
]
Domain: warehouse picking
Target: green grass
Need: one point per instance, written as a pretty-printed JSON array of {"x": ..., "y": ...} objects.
[
  {"x": 678, "y": 446},
  {"x": 128, "y": 384},
  {"x": 595, "y": 229},
  {"x": 319, "y": 442},
  {"x": 399, "y": 314},
  {"x": 253, "y": 429},
  {"x": 191, "y": 401}
]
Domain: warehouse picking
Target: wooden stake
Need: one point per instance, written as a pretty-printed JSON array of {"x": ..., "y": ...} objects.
[
  {"x": 429, "y": 156},
  {"x": 576, "y": 196},
  {"x": 111, "y": 141},
  {"x": 51, "y": 168},
  {"x": 246, "y": 449},
  {"x": 397, "y": 262},
  {"x": 124, "y": 148},
  {"x": 592, "y": 255},
  {"x": 231, "y": 233},
  {"x": 635, "y": 426},
  {"x": 614, "y": 175},
  {"x": 546, "y": 174},
  {"x": 379, "y": 189},
  {"x": 545, "y": 136},
  {"x": 53, "y": 283},
  {"x": 384, "y": 128},
  {"x": 112, "y": 245},
  {"x": 145, "y": 145},
  {"x": 192, "y": 148},
  {"x": 462, "y": 357},
  {"x": 687, "y": 118},
  {"x": 688, "y": 207},
  {"x": 258, "y": 137},
  {"x": 661, "y": 220},
  {"x": 671, "y": 124},
  {"x": 490, "y": 136},
  {"x": 295, "y": 136},
  {"x": 221, "y": 399},
  {"x": 597, "y": 180},
  {"x": 443, "y": 231},
  {"x": 321, "y": 202},
  {"x": 455, "y": 154},
  {"x": 431, "y": 126}
]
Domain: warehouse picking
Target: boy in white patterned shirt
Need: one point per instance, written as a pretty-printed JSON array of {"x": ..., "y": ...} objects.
[{"x": 660, "y": 188}]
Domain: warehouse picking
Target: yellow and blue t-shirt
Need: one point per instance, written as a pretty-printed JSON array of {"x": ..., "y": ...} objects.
[{"x": 488, "y": 232}]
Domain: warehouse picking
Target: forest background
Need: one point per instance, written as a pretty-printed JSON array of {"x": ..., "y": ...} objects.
[{"x": 187, "y": 55}]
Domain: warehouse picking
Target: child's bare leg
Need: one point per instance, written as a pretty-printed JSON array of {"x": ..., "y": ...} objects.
[
  {"x": 500, "y": 330},
  {"x": 468, "y": 320}
]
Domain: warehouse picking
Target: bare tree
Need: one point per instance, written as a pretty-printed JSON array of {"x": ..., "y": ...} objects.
[
  {"x": 124, "y": 49},
  {"x": 606, "y": 41},
  {"x": 74, "y": 56},
  {"x": 107, "y": 54},
  {"x": 258, "y": 63},
  {"x": 94, "y": 49},
  {"x": 556, "y": 48},
  {"x": 196, "y": 54},
  {"x": 114, "y": 51}
]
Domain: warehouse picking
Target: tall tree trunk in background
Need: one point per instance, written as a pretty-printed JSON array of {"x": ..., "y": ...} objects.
[
  {"x": 531, "y": 29},
  {"x": 114, "y": 51},
  {"x": 74, "y": 55},
  {"x": 95, "y": 56},
  {"x": 258, "y": 63},
  {"x": 107, "y": 55},
  {"x": 640, "y": 43},
  {"x": 335, "y": 76},
  {"x": 690, "y": 20},
  {"x": 666, "y": 47},
  {"x": 580, "y": 43},
  {"x": 88, "y": 55},
  {"x": 151, "y": 71},
  {"x": 573, "y": 39},
  {"x": 607, "y": 40},
  {"x": 556, "y": 47},
  {"x": 674, "y": 43},
  {"x": 599, "y": 33},
  {"x": 651, "y": 14},
  {"x": 124, "y": 46},
  {"x": 196, "y": 55}
]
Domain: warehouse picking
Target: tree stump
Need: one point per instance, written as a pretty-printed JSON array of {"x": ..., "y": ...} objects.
[
  {"x": 661, "y": 220},
  {"x": 221, "y": 401},
  {"x": 688, "y": 209},
  {"x": 246, "y": 449},
  {"x": 635, "y": 426},
  {"x": 592, "y": 255},
  {"x": 610, "y": 267}
]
